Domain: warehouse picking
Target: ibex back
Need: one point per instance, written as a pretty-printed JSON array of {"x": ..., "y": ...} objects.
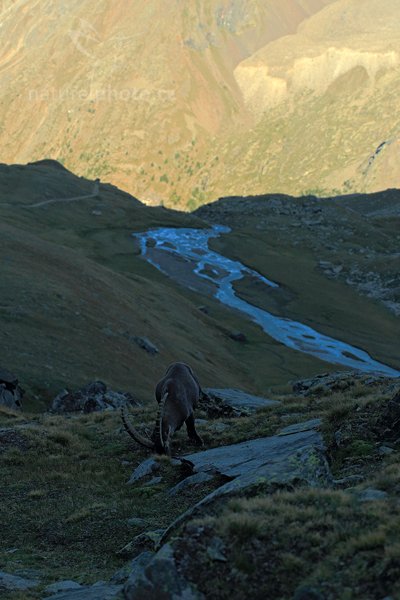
[{"x": 177, "y": 394}]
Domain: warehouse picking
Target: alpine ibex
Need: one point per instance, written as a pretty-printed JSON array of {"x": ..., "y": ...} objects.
[{"x": 177, "y": 394}]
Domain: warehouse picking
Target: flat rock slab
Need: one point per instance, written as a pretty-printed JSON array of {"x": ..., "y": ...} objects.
[
  {"x": 280, "y": 460},
  {"x": 268, "y": 454},
  {"x": 13, "y": 583},
  {"x": 239, "y": 399}
]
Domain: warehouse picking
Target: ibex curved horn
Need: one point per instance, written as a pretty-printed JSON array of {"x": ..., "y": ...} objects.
[
  {"x": 159, "y": 442},
  {"x": 140, "y": 439}
]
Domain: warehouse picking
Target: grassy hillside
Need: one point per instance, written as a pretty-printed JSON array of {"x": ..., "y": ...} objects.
[
  {"x": 299, "y": 242},
  {"x": 75, "y": 293}
]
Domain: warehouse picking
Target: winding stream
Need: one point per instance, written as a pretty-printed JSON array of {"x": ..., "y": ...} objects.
[{"x": 184, "y": 255}]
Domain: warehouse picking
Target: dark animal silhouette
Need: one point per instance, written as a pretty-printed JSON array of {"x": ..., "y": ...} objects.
[{"x": 177, "y": 394}]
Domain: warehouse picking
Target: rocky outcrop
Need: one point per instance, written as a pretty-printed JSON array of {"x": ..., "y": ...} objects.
[
  {"x": 10, "y": 392},
  {"x": 93, "y": 397},
  {"x": 339, "y": 381}
]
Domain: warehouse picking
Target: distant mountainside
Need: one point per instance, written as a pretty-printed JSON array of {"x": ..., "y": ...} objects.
[{"x": 180, "y": 102}]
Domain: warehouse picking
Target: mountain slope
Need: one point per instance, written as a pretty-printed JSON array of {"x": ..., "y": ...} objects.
[
  {"x": 133, "y": 93},
  {"x": 76, "y": 295}
]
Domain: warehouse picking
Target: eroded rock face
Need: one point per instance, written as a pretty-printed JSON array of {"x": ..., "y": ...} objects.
[
  {"x": 10, "y": 392},
  {"x": 93, "y": 397}
]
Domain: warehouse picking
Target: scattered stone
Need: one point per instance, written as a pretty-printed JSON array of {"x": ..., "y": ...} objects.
[
  {"x": 196, "y": 479},
  {"x": 153, "y": 481},
  {"x": 216, "y": 550},
  {"x": 10, "y": 392},
  {"x": 370, "y": 495},
  {"x": 93, "y": 397},
  {"x": 385, "y": 450},
  {"x": 204, "y": 309},
  {"x": 137, "y": 522},
  {"x": 145, "y": 344},
  {"x": 147, "y": 467},
  {"x": 237, "y": 400},
  {"x": 13, "y": 583},
  {"x": 158, "y": 579},
  {"x": 97, "y": 591},
  {"x": 144, "y": 541},
  {"x": 238, "y": 336},
  {"x": 348, "y": 481},
  {"x": 62, "y": 586}
]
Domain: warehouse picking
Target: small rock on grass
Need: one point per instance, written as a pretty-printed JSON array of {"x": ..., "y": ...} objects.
[
  {"x": 62, "y": 586},
  {"x": 144, "y": 541},
  {"x": 195, "y": 479},
  {"x": 370, "y": 495},
  {"x": 147, "y": 467}
]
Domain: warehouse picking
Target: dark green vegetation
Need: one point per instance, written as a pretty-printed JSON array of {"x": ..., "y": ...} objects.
[{"x": 67, "y": 511}]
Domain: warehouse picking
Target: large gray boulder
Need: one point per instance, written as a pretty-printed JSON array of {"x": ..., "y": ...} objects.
[
  {"x": 93, "y": 397},
  {"x": 10, "y": 392}
]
